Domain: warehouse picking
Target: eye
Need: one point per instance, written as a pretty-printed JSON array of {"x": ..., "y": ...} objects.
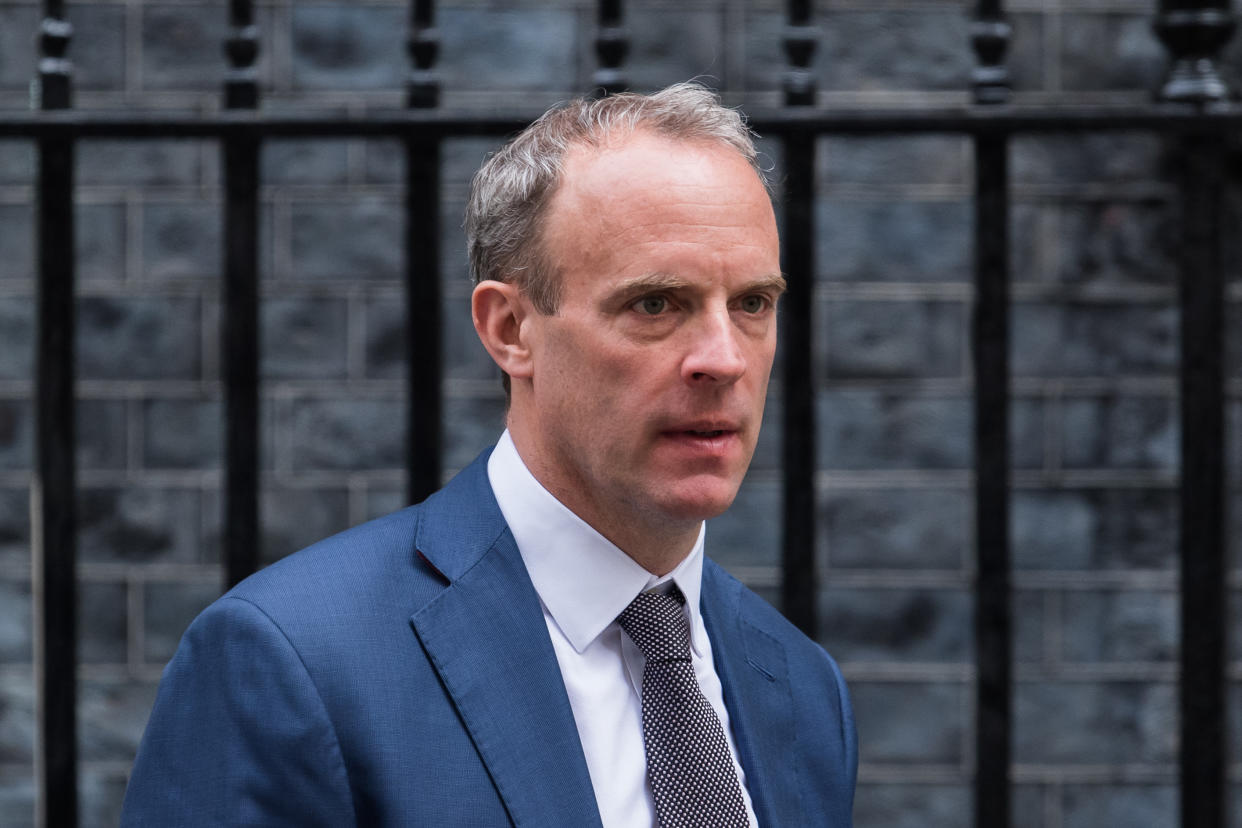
[
  {"x": 651, "y": 305},
  {"x": 754, "y": 303}
]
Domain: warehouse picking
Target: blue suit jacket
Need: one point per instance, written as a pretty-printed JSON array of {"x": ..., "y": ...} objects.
[{"x": 401, "y": 673}]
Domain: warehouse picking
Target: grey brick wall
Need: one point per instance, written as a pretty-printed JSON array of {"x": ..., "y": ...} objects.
[{"x": 1094, "y": 355}]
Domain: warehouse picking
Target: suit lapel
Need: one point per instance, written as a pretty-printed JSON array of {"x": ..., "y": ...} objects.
[
  {"x": 754, "y": 674},
  {"x": 486, "y": 636}
]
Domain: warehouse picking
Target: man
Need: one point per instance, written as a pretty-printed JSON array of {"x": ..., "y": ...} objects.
[{"x": 542, "y": 642}]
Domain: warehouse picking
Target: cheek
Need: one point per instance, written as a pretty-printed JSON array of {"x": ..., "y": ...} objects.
[
  {"x": 580, "y": 374},
  {"x": 595, "y": 358},
  {"x": 764, "y": 355}
]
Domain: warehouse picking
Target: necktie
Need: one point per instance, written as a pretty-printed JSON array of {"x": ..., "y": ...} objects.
[{"x": 688, "y": 762}]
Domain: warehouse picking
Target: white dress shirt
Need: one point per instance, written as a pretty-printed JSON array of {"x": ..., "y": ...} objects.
[{"x": 584, "y": 582}]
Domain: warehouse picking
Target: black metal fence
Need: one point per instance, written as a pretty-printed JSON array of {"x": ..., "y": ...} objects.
[{"x": 1193, "y": 108}]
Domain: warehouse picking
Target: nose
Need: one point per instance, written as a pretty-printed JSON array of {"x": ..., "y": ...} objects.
[{"x": 714, "y": 355}]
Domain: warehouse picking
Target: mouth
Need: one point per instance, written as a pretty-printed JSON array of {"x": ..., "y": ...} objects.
[{"x": 712, "y": 437}]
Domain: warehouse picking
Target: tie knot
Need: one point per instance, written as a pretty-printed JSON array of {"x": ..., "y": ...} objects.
[{"x": 656, "y": 624}]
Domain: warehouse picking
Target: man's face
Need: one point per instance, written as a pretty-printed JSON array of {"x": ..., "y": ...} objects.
[{"x": 648, "y": 384}]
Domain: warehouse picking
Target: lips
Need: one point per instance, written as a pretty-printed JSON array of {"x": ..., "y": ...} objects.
[
  {"x": 703, "y": 428},
  {"x": 714, "y": 438},
  {"x": 708, "y": 434}
]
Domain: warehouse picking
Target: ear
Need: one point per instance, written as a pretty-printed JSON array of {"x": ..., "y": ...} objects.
[{"x": 499, "y": 309}]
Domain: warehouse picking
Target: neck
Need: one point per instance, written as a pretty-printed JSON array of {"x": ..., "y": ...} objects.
[
  {"x": 659, "y": 557},
  {"x": 657, "y": 545}
]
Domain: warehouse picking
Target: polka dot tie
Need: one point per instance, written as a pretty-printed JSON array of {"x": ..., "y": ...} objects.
[{"x": 688, "y": 762}]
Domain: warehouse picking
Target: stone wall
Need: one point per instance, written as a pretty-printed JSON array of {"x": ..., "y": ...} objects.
[{"x": 1094, "y": 355}]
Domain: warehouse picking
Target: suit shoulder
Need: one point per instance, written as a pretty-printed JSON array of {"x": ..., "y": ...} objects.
[{"x": 364, "y": 564}]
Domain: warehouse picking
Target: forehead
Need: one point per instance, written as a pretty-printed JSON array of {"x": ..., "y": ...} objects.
[
  {"x": 646, "y": 160},
  {"x": 645, "y": 190}
]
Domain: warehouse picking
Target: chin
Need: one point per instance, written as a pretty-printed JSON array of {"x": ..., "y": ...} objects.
[{"x": 701, "y": 502}]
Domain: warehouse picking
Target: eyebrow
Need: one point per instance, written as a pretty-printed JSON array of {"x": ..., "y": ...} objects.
[
  {"x": 776, "y": 282},
  {"x": 668, "y": 281},
  {"x": 649, "y": 282}
]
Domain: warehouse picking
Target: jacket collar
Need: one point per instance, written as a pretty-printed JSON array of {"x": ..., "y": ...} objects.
[
  {"x": 583, "y": 579},
  {"x": 486, "y": 637},
  {"x": 754, "y": 674}
]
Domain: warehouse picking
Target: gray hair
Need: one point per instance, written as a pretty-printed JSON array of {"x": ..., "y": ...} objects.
[{"x": 511, "y": 192}]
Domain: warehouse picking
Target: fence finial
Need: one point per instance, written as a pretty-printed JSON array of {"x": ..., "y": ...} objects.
[
  {"x": 423, "y": 88},
  {"x": 801, "y": 38},
  {"x": 989, "y": 35},
  {"x": 1194, "y": 34},
  {"x": 54, "y": 87},
  {"x": 241, "y": 79},
  {"x": 612, "y": 44}
]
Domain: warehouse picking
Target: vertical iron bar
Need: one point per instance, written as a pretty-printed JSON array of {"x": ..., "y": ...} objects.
[
  {"x": 240, "y": 338},
  {"x": 992, "y": 587},
  {"x": 53, "y": 493},
  {"x": 423, "y": 317},
  {"x": 423, "y": 321},
  {"x": 1203, "y": 569},
  {"x": 240, "y": 325},
  {"x": 798, "y": 570},
  {"x": 612, "y": 44},
  {"x": 989, "y": 35}
]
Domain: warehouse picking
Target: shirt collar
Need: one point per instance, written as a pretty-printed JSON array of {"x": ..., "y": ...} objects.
[{"x": 583, "y": 579}]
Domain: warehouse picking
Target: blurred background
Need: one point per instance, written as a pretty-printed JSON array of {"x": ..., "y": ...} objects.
[{"x": 1094, "y": 423}]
